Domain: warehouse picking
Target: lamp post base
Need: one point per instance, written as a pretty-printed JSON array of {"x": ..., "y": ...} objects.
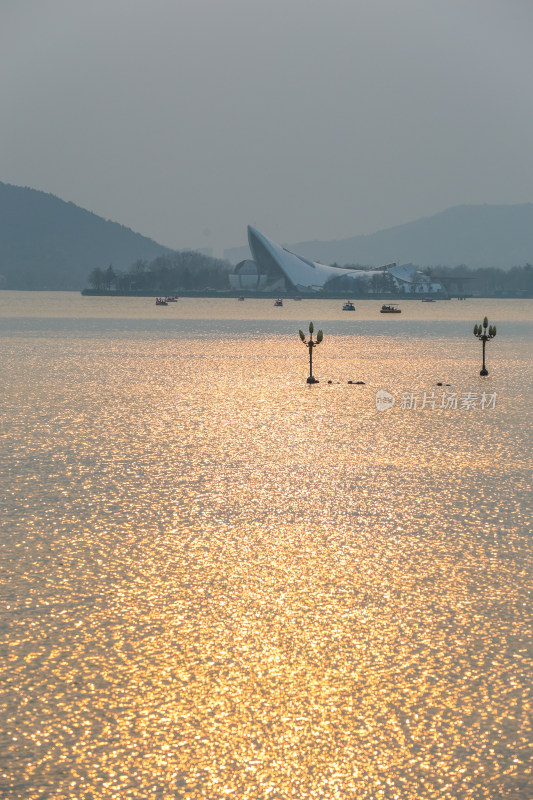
[
  {"x": 312, "y": 380},
  {"x": 484, "y": 371}
]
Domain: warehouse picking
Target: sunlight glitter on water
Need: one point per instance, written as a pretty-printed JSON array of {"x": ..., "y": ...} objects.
[{"x": 223, "y": 583}]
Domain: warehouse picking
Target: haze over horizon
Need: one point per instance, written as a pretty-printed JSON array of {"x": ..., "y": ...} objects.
[{"x": 187, "y": 122}]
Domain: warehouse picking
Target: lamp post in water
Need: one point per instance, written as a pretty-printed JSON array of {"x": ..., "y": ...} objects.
[
  {"x": 310, "y": 344},
  {"x": 485, "y": 334}
]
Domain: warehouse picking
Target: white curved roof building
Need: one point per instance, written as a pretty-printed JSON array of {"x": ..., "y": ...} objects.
[
  {"x": 302, "y": 273},
  {"x": 309, "y": 276}
]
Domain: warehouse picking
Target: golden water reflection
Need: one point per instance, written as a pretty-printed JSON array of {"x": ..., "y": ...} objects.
[{"x": 222, "y": 583}]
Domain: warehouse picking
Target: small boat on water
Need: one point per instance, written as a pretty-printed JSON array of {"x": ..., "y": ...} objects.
[
  {"x": 172, "y": 298},
  {"x": 348, "y": 306},
  {"x": 160, "y": 301},
  {"x": 279, "y": 302},
  {"x": 390, "y": 309},
  {"x": 241, "y": 298},
  {"x": 297, "y": 297},
  {"x": 428, "y": 300}
]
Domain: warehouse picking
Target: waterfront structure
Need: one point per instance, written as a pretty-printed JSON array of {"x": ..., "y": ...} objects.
[{"x": 272, "y": 262}]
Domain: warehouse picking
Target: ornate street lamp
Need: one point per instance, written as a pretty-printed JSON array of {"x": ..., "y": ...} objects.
[
  {"x": 485, "y": 334},
  {"x": 310, "y": 344}
]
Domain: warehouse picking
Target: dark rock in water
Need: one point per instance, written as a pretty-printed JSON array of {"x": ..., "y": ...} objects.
[
  {"x": 330, "y": 381},
  {"x": 360, "y": 383},
  {"x": 350, "y": 381},
  {"x": 440, "y": 383}
]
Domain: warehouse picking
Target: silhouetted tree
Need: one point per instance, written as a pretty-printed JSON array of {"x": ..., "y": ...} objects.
[
  {"x": 97, "y": 279},
  {"x": 109, "y": 277}
]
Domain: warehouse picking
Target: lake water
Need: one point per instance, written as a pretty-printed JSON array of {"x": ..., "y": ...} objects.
[{"x": 220, "y": 582}]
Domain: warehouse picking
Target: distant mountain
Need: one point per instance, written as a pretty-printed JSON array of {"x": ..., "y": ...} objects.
[
  {"x": 46, "y": 243},
  {"x": 478, "y": 236}
]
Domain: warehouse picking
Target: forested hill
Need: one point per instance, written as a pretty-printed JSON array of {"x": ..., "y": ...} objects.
[{"x": 46, "y": 243}]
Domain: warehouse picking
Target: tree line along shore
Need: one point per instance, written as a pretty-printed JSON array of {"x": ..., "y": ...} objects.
[{"x": 190, "y": 272}]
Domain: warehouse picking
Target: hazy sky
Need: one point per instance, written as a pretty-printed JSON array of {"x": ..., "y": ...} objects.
[{"x": 311, "y": 119}]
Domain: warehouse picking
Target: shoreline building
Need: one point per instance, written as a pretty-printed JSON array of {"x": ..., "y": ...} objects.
[{"x": 273, "y": 266}]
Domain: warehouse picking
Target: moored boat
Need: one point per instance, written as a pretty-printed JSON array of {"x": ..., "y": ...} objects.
[
  {"x": 348, "y": 306},
  {"x": 389, "y": 308},
  {"x": 160, "y": 301},
  {"x": 279, "y": 302}
]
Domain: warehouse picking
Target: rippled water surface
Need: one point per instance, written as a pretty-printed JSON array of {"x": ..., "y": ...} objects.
[{"x": 220, "y": 582}]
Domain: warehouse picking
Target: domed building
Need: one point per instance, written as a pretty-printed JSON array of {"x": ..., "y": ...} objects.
[{"x": 247, "y": 276}]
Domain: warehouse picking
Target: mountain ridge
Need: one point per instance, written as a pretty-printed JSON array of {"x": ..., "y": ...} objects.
[
  {"x": 474, "y": 235},
  {"x": 50, "y": 243}
]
